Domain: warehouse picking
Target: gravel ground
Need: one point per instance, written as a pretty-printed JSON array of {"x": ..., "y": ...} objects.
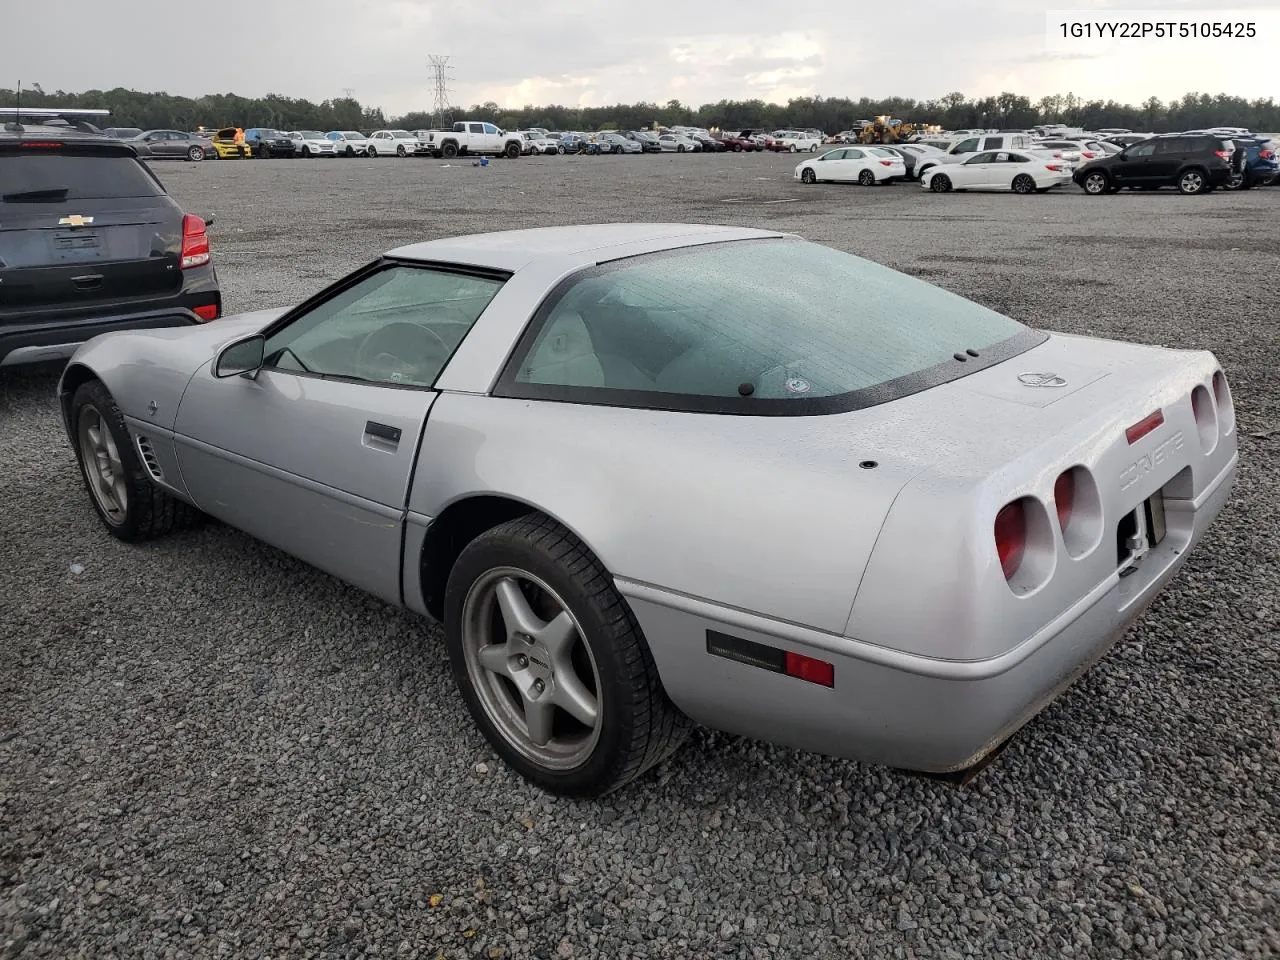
[{"x": 208, "y": 750}]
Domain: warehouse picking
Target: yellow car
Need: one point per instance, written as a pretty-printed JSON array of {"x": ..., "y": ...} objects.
[{"x": 227, "y": 147}]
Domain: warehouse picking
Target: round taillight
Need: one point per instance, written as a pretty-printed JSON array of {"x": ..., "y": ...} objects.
[
  {"x": 1206, "y": 418},
  {"x": 1226, "y": 408},
  {"x": 1011, "y": 537},
  {"x": 1064, "y": 497}
]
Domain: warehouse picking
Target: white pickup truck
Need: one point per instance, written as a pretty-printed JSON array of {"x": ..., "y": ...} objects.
[{"x": 475, "y": 137}]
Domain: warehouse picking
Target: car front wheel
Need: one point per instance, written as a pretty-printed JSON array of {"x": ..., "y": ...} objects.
[
  {"x": 1096, "y": 184},
  {"x": 808, "y": 176},
  {"x": 551, "y": 661},
  {"x": 1191, "y": 181},
  {"x": 130, "y": 506}
]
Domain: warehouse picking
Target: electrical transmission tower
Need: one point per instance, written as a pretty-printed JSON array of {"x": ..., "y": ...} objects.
[
  {"x": 349, "y": 92},
  {"x": 441, "y": 112}
]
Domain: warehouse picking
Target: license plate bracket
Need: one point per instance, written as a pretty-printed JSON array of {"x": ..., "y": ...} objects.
[
  {"x": 74, "y": 246},
  {"x": 1155, "y": 516}
]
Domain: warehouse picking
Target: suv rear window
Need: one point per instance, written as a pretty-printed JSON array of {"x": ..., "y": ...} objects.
[
  {"x": 772, "y": 326},
  {"x": 52, "y": 178}
]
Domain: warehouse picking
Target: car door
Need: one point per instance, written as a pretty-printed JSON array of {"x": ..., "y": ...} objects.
[
  {"x": 1135, "y": 166},
  {"x": 973, "y": 172},
  {"x": 314, "y": 453},
  {"x": 1169, "y": 155},
  {"x": 849, "y": 164}
]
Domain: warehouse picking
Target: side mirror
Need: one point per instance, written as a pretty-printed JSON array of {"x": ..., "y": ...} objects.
[
  {"x": 1123, "y": 154},
  {"x": 242, "y": 358}
]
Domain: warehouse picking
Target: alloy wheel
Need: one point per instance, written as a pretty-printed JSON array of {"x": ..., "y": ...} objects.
[{"x": 102, "y": 465}]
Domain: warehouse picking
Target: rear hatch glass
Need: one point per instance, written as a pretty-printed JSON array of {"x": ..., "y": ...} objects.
[{"x": 83, "y": 228}]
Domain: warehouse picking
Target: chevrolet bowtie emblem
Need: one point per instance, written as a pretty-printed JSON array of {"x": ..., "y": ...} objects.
[{"x": 75, "y": 220}]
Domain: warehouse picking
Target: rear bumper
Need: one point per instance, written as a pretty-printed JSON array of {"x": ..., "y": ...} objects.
[
  {"x": 890, "y": 707},
  {"x": 23, "y": 343}
]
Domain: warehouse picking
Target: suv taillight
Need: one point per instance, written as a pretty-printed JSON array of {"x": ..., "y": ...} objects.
[
  {"x": 1224, "y": 154},
  {"x": 1266, "y": 155},
  {"x": 195, "y": 242}
]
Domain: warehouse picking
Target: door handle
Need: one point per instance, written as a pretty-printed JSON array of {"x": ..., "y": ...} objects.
[
  {"x": 88, "y": 281},
  {"x": 382, "y": 431}
]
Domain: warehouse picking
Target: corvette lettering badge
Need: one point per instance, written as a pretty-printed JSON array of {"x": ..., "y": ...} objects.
[{"x": 75, "y": 220}]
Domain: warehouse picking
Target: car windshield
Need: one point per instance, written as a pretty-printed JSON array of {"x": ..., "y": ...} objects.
[
  {"x": 402, "y": 134},
  {"x": 312, "y": 135},
  {"x": 53, "y": 178},
  {"x": 783, "y": 319},
  {"x": 269, "y": 134}
]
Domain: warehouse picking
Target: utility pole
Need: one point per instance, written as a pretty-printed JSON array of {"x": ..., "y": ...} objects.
[
  {"x": 442, "y": 113},
  {"x": 349, "y": 93}
]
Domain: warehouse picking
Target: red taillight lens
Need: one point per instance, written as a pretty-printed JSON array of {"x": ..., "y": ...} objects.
[
  {"x": 208, "y": 311},
  {"x": 1088, "y": 154},
  {"x": 40, "y": 145},
  {"x": 1011, "y": 537},
  {"x": 1224, "y": 154},
  {"x": 1064, "y": 497},
  {"x": 1144, "y": 426},
  {"x": 886, "y": 163},
  {"x": 807, "y": 668},
  {"x": 195, "y": 242},
  {"x": 1055, "y": 167},
  {"x": 1266, "y": 155}
]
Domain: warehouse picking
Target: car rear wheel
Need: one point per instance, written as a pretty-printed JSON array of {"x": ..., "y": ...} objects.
[
  {"x": 1191, "y": 182},
  {"x": 867, "y": 178},
  {"x": 513, "y": 151},
  {"x": 940, "y": 183},
  {"x": 130, "y": 506},
  {"x": 449, "y": 150},
  {"x": 306, "y": 153},
  {"x": 551, "y": 661},
  {"x": 401, "y": 151},
  {"x": 195, "y": 154},
  {"x": 1097, "y": 184},
  {"x": 1024, "y": 183}
]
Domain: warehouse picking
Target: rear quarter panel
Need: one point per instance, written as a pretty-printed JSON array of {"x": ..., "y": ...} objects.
[{"x": 766, "y": 514}]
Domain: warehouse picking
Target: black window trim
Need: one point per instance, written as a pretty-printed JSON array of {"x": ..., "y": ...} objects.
[
  {"x": 381, "y": 264},
  {"x": 508, "y": 387}
]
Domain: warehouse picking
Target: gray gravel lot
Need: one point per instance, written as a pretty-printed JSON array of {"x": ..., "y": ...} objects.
[{"x": 209, "y": 750}]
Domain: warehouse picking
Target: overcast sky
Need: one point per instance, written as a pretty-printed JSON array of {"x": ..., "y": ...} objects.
[{"x": 594, "y": 52}]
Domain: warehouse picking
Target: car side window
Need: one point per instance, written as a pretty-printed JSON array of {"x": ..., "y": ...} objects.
[
  {"x": 1142, "y": 150},
  {"x": 1172, "y": 145},
  {"x": 987, "y": 157},
  {"x": 1016, "y": 158},
  {"x": 966, "y": 146},
  {"x": 854, "y": 155},
  {"x": 490, "y": 128},
  {"x": 397, "y": 326},
  {"x": 993, "y": 143},
  {"x": 476, "y": 127}
]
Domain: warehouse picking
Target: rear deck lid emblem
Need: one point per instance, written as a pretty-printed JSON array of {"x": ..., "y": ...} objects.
[
  {"x": 75, "y": 220},
  {"x": 1041, "y": 380},
  {"x": 798, "y": 385}
]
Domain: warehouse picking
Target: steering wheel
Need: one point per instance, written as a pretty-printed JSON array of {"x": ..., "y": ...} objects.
[{"x": 402, "y": 351}]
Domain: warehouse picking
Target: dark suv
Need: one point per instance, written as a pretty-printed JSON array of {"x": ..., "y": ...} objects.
[
  {"x": 91, "y": 243},
  {"x": 1194, "y": 163},
  {"x": 267, "y": 142}
]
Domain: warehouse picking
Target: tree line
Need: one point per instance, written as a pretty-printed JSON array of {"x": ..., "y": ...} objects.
[{"x": 954, "y": 111}]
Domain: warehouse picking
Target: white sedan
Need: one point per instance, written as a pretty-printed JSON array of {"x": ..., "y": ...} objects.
[
  {"x": 677, "y": 143},
  {"x": 865, "y": 165},
  {"x": 999, "y": 170},
  {"x": 312, "y": 143}
]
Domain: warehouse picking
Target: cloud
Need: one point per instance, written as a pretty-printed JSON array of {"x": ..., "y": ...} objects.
[{"x": 594, "y": 52}]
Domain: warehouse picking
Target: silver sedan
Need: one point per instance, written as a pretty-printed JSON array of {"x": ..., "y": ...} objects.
[{"x": 645, "y": 475}]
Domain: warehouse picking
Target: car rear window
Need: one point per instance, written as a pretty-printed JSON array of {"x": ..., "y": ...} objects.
[
  {"x": 53, "y": 177},
  {"x": 773, "y": 321}
]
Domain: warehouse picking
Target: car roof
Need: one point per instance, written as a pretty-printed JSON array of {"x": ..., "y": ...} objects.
[{"x": 576, "y": 246}]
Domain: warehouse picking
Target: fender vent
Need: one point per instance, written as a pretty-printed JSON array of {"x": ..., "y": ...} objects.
[{"x": 148, "y": 455}]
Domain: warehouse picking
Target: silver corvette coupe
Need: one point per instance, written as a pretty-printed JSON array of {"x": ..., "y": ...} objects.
[{"x": 647, "y": 474}]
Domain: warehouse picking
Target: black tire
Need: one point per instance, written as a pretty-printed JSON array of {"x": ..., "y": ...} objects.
[
  {"x": 867, "y": 178},
  {"x": 679, "y": 148},
  {"x": 1024, "y": 183},
  {"x": 350, "y": 151},
  {"x": 1096, "y": 183},
  {"x": 940, "y": 183},
  {"x": 449, "y": 150},
  {"x": 512, "y": 151},
  {"x": 640, "y": 727},
  {"x": 262, "y": 153},
  {"x": 373, "y": 151},
  {"x": 808, "y": 176},
  {"x": 195, "y": 154},
  {"x": 737, "y": 148},
  {"x": 401, "y": 151},
  {"x": 306, "y": 153},
  {"x": 149, "y": 512},
  {"x": 1192, "y": 181}
]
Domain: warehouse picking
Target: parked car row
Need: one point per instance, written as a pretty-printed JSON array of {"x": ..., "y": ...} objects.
[{"x": 1193, "y": 162}]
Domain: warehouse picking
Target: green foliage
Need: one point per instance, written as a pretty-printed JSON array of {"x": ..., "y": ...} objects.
[{"x": 953, "y": 111}]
